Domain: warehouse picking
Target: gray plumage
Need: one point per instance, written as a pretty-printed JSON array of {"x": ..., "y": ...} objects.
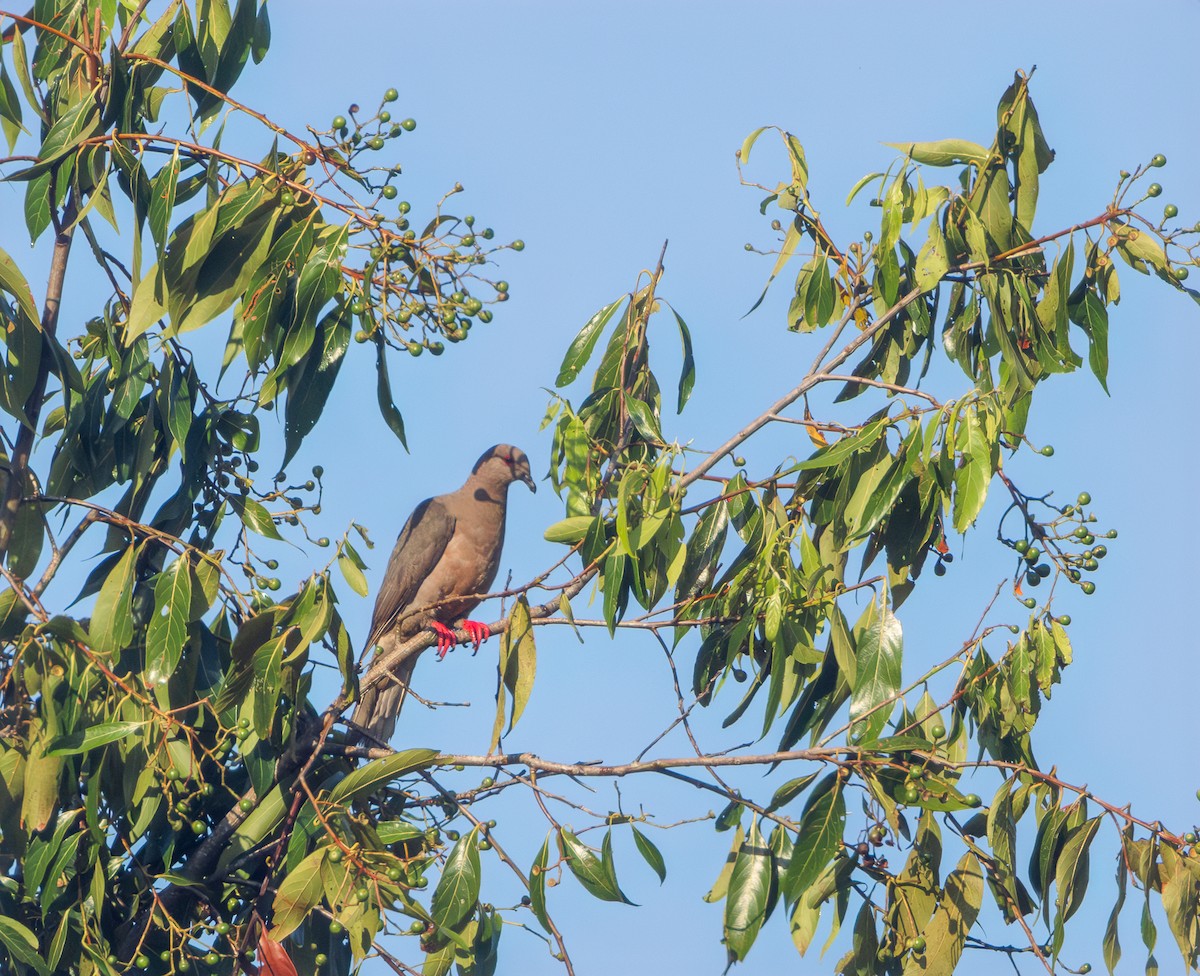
[{"x": 445, "y": 559}]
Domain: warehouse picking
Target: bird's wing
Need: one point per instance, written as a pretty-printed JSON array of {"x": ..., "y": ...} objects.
[{"x": 418, "y": 550}]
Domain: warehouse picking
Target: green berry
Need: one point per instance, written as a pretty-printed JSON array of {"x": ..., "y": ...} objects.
[
  {"x": 199, "y": 827},
  {"x": 911, "y": 795},
  {"x": 972, "y": 800},
  {"x": 1032, "y": 555},
  {"x": 1085, "y": 969},
  {"x": 223, "y": 928},
  {"x": 336, "y": 927},
  {"x": 391, "y": 95},
  {"x": 246, "y": 805},
  {"x": 1153, "y": 190},
  {"x": 938, "y": 731},
  {"x": 320, "y": 959},
  {"x": 394, "y": 873},
  {"x": 1190, "y": 837},
  {"x": 1029, "y": 602},
  {"x": 1048, "y": 450},
  {"x": 408, "y": 125},
  {"x": 1065, "y": 620},
  {"x": 287, "y": 198},
  {"x": 339, "y": 122},
  {"x": 212, "y": 959},
  {"x": 518, "y": 245},
  {"x": 390, "y": 192},
  {"x": 375, "y": 142},
  {"x": 1180, "y": 273},
  {"x": 1159, "y": 161},
  {"x": 1088, "y": 587},
  {"x": 1084, "y": 498},
  {"x": 1170, "y": 210},
  {"x": 1021, "y": 545},
  {"x": 417, "y": 927},
  {"x": 141, "y": 960}
]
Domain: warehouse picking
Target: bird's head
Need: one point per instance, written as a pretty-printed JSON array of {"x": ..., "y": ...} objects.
[{"x": 503, "y": 464}]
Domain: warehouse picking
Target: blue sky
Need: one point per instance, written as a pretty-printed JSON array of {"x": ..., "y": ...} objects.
[{"x": 594, "y": 133}]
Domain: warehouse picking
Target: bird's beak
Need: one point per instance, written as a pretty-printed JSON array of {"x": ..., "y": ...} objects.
[{"x": 527, "y": 478}]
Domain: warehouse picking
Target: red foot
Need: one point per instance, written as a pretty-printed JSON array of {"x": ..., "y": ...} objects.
[
  {"x": 445, "y": 638},
  {"x": 479, "y": 632}
]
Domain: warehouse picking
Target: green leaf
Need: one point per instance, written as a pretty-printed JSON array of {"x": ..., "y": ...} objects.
[
  {"x": 947, "y": 931},
  {"x": 818, "y": 838},
  {"x": 1071, "y": 869},
  {"x": 933, "y": 262},
  {"x": 584, "y": 344},
  {"x": 162, "y": 202},
  {"x": 111, "y": 627},
  {"x": 880, "y": 643},
  {"x": 518, "y": 658},
  {"x": 687, "y": 375},
  {"x": 457, "y": 891},
  {"x": 1089, "y": 313},
  {"x": 255, "y": 516},
  {"x": 1112, "y": 935},
  {"x": 298, "y": 894},
  {"x": 167, "y": 633},
  {"x": 569, "y": 531},
  {"x": 76, "y": 124},
  {"x": 820, "y": 296},
  {"x": 262, "y": 35},
  {"x": 703, "y": 551},
  {"x": 748, "y": 143},
  {"x": 37, "y": 205},
  {"x": 353, "y": 573},
  {"x": 537, "y": 885},
  {"x": 749, "y": 894},
  {"x": 377, "y": 772},
  {"x": 387, "y": 406},
  {"x": 650, "y": 853},
  {"x": 91, "y": 738},
  {"x": 22, "y": 945},
  {"x": 943, "y": 152},
  {"x": 13, "y": 282},
  {"x": 310, "y": 383},
  {"x": 588, "y": 869}
]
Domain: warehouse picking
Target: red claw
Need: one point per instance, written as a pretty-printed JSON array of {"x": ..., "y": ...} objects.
[
  {"x": 479, "y": 632},
  {"x": 445, "y": 638}
]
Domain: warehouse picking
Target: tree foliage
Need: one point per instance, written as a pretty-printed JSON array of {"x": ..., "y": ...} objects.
[{"x": 170, "y": 794}]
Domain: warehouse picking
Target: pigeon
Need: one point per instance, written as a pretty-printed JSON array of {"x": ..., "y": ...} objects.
[{"x": 445, "y": 560}]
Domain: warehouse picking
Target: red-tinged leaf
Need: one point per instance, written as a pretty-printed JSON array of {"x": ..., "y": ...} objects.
[{"x": 275, "y": 960}]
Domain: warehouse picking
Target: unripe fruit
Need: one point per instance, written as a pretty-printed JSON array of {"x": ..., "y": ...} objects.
[
  {"x": 1179, "y": 273},
  {"x": 339, "y": 122},
  {"x": 1065, "y": 620},
  {"x": 391, "y": 95},
  {"x": 336, "y": 927},
  {"x": 390, "y": 192},
  {"x": 1084, "y": 498},
  {"x": 223, "y": 928},
  {"x": 939, "y": 731},
  {"x": 246, "y": 805},
  {"x": 212, "y": 959},
  {"x": 287, "y": 198},
  {"x": 1088, "y": 587},
  {"x": 1048, "y": 450},
  {"x": 141, "y": 960},
  {"x": 972, "y": 800},
  {"x": 518, "y": 245},
  {"x": 408, "y": 125},
  {"x": 1158, "y": 161},
  {"x": 375, "y": 142},
  {"x": 1153, "y": 190},
  {"x": 1170, "y": 210}
]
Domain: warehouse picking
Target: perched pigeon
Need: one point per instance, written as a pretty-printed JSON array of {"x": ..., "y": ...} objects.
[{"x": 445, "y": 559}]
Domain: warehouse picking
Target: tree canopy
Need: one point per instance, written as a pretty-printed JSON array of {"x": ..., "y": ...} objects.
[{"x": 175, "y": 792}]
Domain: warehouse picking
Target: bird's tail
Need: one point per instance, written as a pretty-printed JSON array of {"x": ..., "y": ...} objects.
[{"x": 377, "y": 709}]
